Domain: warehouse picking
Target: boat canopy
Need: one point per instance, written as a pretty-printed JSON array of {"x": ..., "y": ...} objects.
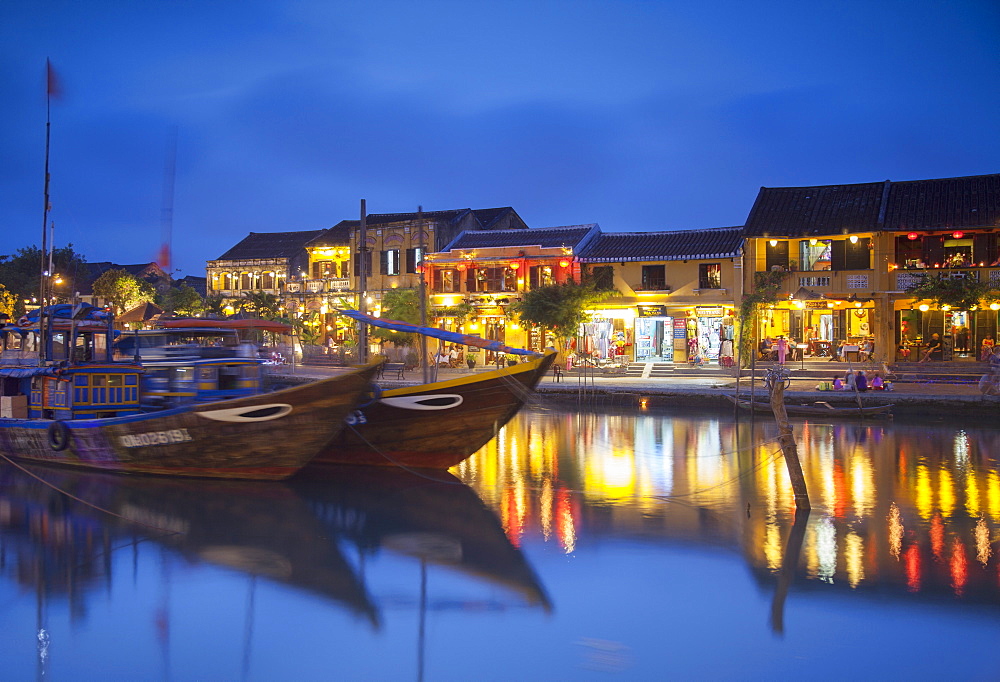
[
  {"x": 239, "y": 324},
  {"x": 27, "y": 372},
  {"x": 65, "y": 311},
  {"x": 453, "y": 337}
]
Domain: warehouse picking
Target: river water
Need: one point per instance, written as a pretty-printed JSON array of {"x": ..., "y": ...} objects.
[{"x": 579, "y": 544}]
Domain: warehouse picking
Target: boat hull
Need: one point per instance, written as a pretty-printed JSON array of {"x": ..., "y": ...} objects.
[
  {"x": 268, "y": 436},
  {"x": 435, "y": 425},
  {"x": 793, "y": 410}
]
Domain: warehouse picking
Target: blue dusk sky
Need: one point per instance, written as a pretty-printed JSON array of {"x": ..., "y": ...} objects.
[{"x": 637, "y": 115}]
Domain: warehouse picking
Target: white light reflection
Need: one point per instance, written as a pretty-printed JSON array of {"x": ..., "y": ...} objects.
[
  {"x": 826, "y": 549},
  {"x": 962, "y": 449}
]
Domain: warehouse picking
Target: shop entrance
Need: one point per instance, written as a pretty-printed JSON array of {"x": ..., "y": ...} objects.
[{"x": 654, "y": 339}]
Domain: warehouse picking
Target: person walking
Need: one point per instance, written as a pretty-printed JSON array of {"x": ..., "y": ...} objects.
[{"x": 782, "y": 345}]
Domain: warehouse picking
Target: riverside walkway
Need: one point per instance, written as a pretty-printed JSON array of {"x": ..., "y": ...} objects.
[{"x": 691, "y": 387}]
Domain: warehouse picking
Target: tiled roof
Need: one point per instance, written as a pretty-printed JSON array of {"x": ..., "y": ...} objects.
[
  {"x": 947, "y": 203},
  {"x": 719, "y": 242},
  {"x": 944, "y": 203},
  {"x": 802, "y": 211},
  {"x": 572, "y": 236},
  {"x": 270, "y": 245},
  {"x": 338, "y": 235}
]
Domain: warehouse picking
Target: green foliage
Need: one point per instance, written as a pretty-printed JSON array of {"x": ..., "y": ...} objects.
[
  {"x": 183, "y": 301},
  {"x": 559, "y": 307},
  {"x": 122, "y": 290},
  {"x": 214, "y": 305},
  {"x": 21, "y": 273},
  {"x": 462, "y": 312},
  {"x": 402, "y": 305},
  {"x": 261, "y": 304},
  {"x": 963, "y": 294},
  {"x": 767, "y": 286},
  {"x": 8, "y": 301}
]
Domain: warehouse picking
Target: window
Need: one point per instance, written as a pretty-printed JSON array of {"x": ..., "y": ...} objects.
[
  {"x": 710, "y": 276},
  {"x": 775, "y": 255},
  {"x": 814, "y": 254},
  {"x": 447, "y": 281},
  {"x": 486, "y": 279},
  {"x": 848, "y": 255},
  {"x": 368, "y": 263},
  {"x": 653, "y": 278},
  {"x": 540, "y": 276},
  {"x": 604, "y": 277},
  {"x": 389, "y": 262},
  {"x": 413, "y": 259}
]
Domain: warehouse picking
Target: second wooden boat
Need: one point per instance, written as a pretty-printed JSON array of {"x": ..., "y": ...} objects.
[
  {"x": 435, "y": 425},
  {"x": 816, "y": 409}
]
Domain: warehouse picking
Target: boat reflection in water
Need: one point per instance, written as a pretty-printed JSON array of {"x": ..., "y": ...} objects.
[
  {"x": 899, "y": 508},
  {"x": 72, "y": 536}
]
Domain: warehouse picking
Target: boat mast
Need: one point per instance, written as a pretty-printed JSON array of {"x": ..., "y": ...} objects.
[
  {"x": 50, "y": 86},
  {"x": 362, "y": 286},
  {"x": 423, "y": 292}
]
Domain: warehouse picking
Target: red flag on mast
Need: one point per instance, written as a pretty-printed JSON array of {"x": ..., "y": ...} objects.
[{"x": 52, "y": 86}]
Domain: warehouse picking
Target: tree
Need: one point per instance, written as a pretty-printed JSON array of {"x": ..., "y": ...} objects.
[
  {"x": 122, "y": 290},
  {"x": 21, "y": 273},
  {"x": 8, "y": 302},
  {"x": 767, "y": 286},
  {"x": 261, "y": 304},
  {"x": 961, "y": 294},
  {"x": 402, "y": 305},
  {"x": 559, "y": 307},
  {"x": 214, "y": 305},
  {"x": 183, "y": 300}
]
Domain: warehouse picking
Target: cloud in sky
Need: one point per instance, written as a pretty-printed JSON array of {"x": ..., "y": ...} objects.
[{"x": 636, "y": 115}]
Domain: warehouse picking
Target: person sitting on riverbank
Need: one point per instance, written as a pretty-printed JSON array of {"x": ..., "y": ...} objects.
[
  {"x": 877, "y": 383},
  {"x": 838, "y": 385},
  {"x": 850, "y": 380},
  {"x": 861, "y": 382},
  {"x": 933, "y": 349}
]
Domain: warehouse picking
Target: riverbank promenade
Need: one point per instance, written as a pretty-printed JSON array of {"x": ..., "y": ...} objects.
[{"x": 918, "y": 389}]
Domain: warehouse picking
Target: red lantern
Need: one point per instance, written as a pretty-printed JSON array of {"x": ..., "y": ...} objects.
[
  {"x": 514, "y": 266},
  {"x": 461, "y": 267},
  {"x": 957, "y": 234},
  {"x": 912, "y": 235}
]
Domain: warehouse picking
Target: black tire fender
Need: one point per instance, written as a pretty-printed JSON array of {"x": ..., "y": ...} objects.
[{"x": 59, "y": 436}]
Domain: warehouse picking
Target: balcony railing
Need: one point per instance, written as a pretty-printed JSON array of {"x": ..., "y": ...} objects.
[{"x": 904, "y": 279}]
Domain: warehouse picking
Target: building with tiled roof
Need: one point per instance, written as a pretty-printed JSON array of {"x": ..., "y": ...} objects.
[
  {"x": 260, "y": 262},
  {"x": 720, "y": 242},
  {"x": 852, "y": 252}
]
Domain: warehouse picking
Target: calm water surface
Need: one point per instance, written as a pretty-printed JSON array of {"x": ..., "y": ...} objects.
[{"x": 577, "y": 545}]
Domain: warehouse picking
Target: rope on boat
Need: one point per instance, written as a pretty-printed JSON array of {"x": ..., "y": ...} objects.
[
  {"x": 396, "y": 462},
  {"x": 59, "y": 490}
]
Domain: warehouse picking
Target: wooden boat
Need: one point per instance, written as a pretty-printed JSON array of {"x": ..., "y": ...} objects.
[
  {"x": 817, "y": 409},
  {"x": 435, "y": 425},
  {"x": 433, "y": 517},
  {"x": 260, "y": 528},
  {"x": 91, "y": 414}
]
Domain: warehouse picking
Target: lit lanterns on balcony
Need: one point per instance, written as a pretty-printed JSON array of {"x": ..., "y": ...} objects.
[
  {"x": 514, "y": 265},
  {"x": 957, "y": 234},
  {"x": 912, "y": 236},
  {"x": 564, "y": 263}
]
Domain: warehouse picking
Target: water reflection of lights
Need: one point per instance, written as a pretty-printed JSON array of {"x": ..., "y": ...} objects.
[
  {"x": 959, "y": 566},
  {"x": 983, "y": 548},
  {"x": 854, "y": 556},
  {"x": 895, "y": 530},
  {"x": 826, "y": 550},
  {"x": 946, "y": 491}
]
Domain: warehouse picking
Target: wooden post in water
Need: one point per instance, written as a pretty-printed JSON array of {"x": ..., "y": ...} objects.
[{"x": 776, "y": 377}]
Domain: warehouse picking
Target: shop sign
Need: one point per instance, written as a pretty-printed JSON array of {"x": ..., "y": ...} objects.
[
  {"x": 680, "y": 328},
  {"x": 652, "y": 311},
  {"x": 817, "y": 305},
  {"x": 715, "y": 311}
]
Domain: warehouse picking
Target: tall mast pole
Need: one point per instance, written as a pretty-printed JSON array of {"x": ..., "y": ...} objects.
[
  {"x": 43, "y": 273},
  {"x": 363, "y": 285},
  {"x": 423, "y": 292}
]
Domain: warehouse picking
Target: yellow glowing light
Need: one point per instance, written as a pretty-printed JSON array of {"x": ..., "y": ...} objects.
[
  {"x": 829, "y": 304},
  {"x": 773, "y": 242},
  {"x": 946, "y": 307},
  {"x": 857, "y": 304},
  {"x": 924, "y": 307},
  {"x": 994, "y": 306},
  {"x": 812, "y": 242},
  {"x": 854, "y": 239}
]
